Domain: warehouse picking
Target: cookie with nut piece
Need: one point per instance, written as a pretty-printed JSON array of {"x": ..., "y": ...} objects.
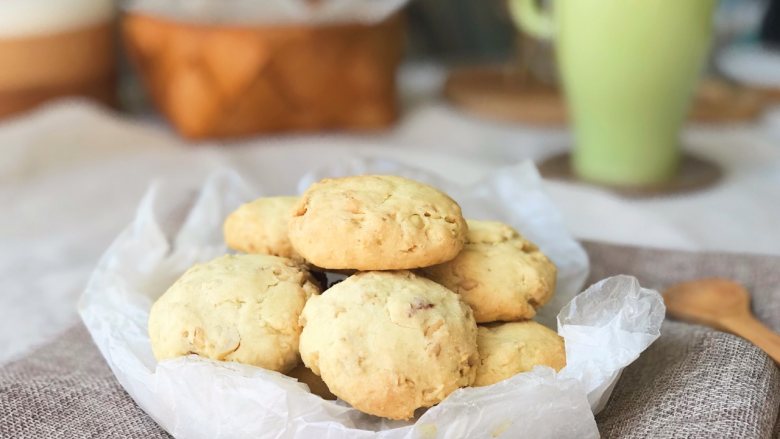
[
  {"x": 389, "y": 343},
  {"x": 507, "y": 349},
  {"x": 500, "y": 274},
  {"x": 241, "y": 308},
  {"x": 260, "y": 226},
  {"x": 376, "y": 222}
]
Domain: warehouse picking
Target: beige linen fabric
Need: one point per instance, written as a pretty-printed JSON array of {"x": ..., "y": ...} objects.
[{"x": 693, "y": 382}]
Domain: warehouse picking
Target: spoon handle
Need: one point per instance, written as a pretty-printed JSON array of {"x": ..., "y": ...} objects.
[{"x": 757, "y": 333}]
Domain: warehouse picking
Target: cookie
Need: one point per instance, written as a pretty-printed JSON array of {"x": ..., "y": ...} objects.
[
  {"x": 261, "y": 227},
  {"x": 376, "y": 222},
  {"x": 500, "y": 274},
  {"x": 507, "y": 349},
  {"x": 316, "y": 386},
  {"x": 241, "y": 308},
  {"x": 390, "y": 342}
]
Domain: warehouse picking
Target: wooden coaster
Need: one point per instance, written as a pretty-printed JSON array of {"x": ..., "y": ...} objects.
[
  {"x": 509, "y": 94},
  {"x": 695, "y": 174},
  {"x": 718, "y": 101},
  {"x": 770, "y": 96},
  {"x": 505, "y": 93}
]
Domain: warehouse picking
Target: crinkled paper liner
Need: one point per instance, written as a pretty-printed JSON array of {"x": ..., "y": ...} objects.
[{"x": 605, "y": 328}]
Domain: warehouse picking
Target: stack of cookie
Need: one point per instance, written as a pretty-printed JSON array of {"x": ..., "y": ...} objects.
[{"x": 432, "y": 302}]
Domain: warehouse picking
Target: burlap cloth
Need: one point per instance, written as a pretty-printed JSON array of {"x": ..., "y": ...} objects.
[{"x": 693, "y": 382}]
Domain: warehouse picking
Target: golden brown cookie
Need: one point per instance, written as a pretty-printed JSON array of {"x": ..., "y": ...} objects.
[
  {"x": 261, "y": 227},
  {"x": 507, "y": 349},
  {"x": 241, "y": 308},
  {"x": 389, "y": 343},
  {"x": 376, "y": 222},
  {"x": 500, "y": 274}
]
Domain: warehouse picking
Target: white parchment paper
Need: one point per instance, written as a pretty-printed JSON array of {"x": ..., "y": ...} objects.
[
  {"x": 605, "y": 328},
  {"x": 269, "y": 12}
]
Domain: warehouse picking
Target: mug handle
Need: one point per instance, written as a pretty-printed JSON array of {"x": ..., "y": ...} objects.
[{"x": 529, "y": 16}]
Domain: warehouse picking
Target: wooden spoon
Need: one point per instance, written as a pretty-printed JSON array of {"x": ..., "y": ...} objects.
[{"x": 724, "y": 305}]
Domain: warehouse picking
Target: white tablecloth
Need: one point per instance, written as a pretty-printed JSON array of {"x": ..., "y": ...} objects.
[{"x": 72, "y": 174}]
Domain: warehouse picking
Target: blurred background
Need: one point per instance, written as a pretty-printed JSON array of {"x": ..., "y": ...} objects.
[{"x": 124, "y": 53}]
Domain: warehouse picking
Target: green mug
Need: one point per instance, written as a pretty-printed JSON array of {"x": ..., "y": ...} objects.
[{"x": 629, "y": 68}]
